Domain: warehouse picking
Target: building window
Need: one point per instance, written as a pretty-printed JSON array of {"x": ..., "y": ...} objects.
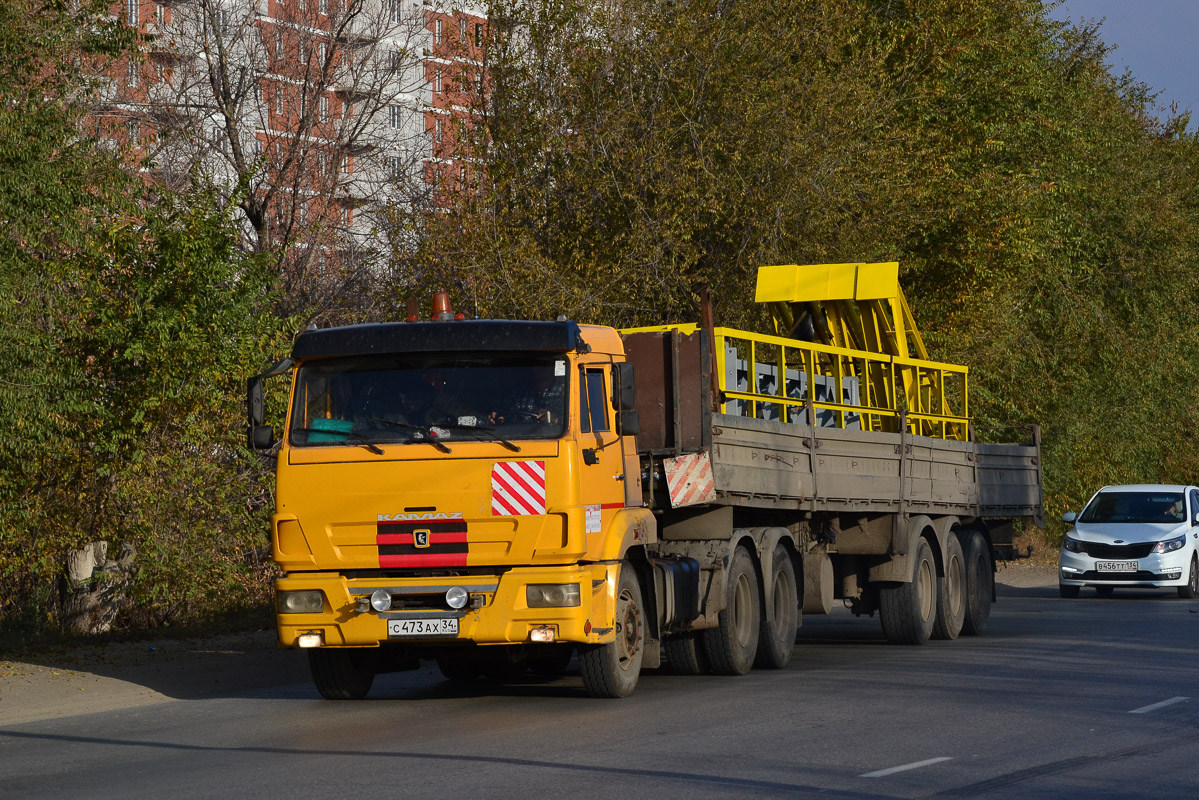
[
  {"x": 134, "y": 77},
  {"x": 279, "y": 101},
  {"x": 437, "y": 81},
  {"x": 347, "y": 215},
  {"x": 323, "y": 52},
  {"x": 135, "y": 131},
  {"x": 437, "y": 32},
  {"x": 478, "y": 34},
  {"x": 437, "y": 130},
  {"x": 462, "y": 174},
  {"x": 345, "y": 164},
  {"x": 322, "y": 162},
  {"x": 462, "y": 29},
  {"x": 303, "y": 5},
  {"x": 393, "y": 167},
  {"x": 393, "y": 8},
  {"x": 394, "y": 115},
  {"x": 324, "y": 107},
  {"x": 160, "y": 15},
  {"x": 323, "y": 7},
  {"x": 133, "y": 12}
]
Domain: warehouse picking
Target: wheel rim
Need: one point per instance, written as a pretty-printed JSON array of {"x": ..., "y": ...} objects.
[
  {"x": 629, "y": 636},
  {"x": 924, "y": 583},
  {"x": 742, "y": 597}
]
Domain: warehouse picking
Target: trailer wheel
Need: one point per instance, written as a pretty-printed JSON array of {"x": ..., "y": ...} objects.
[
  {"x": 733, "y": 644},
  {"x": 980, "y": 583},
  {"x": 951, "y": 595},
  {"x": 776, "y": 639},
  {"x": 611, "y": 670},
  {"x": 685, "y": 654},
  {"x": 343, "y": 674},
  {"x": 909, "y": 610}
]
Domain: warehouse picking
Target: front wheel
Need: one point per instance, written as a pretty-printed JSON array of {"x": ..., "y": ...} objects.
[
  {"x": 1191, "y": 590},
  {"x": 733, "y": 644},
  {"x": 776, "y": 639},
  {"x": 611, "y": 670},
  {"x": 343, "y": 674}
]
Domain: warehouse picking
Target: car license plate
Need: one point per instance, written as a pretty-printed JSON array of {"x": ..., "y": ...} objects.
[
  {"x": 401, "y": 628},
  {"x": 1116, "y": 566}
]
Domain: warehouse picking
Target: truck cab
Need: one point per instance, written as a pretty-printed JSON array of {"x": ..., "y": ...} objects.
[{"x": 462, "y": 490}]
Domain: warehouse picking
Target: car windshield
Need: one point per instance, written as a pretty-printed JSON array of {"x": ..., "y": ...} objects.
[
  {"x": 411, "y": 398},
  {"x": 1135, "y": 507}
]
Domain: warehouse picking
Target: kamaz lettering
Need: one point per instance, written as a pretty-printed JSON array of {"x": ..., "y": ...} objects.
[{"x": 419, "y": 516}]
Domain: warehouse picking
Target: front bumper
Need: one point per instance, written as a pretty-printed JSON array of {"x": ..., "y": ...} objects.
[
  {"x": 1152, "y": 572},
  {"x": 496, "y": 614}
]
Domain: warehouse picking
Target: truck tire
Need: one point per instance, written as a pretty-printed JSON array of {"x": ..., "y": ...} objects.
[
  {"x": 685, "y": 654},
  {"x": 980, "y": 583},
  {"x": 733, "y": 644},
  {"x": 776, "y": 637},
  {"x": 611, "y": 670},
  {"x": 908, "y": 611},
  {"x": 951, "y": 594},
  {"x": 342, "y": 674}
]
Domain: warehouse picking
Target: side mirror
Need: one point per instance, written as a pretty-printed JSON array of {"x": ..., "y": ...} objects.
[
  {"x": 1069, "y": 516},
  {"x": 628, "y": 423},
  {"x": 1195, "y": 520},
  {"x": 261, "y": 437},
  {"x": 624, "y": 387}
]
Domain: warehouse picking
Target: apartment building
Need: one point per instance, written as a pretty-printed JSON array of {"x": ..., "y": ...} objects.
[{"x": 313, "y": 114}]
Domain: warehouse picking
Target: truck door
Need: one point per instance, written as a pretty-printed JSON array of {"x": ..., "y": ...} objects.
[{"x": 602, "y": 471}]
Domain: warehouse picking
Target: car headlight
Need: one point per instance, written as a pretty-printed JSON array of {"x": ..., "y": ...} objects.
[
  {"x": 1170, "y": 545},
  {"x": 1074, "y": 545},
  {"x": 552, "y": 595}
]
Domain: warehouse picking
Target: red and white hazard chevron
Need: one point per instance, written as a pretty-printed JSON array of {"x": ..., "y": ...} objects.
[
  {"x": 517, "y": 488},
  {"x": 689, "y": 479}
]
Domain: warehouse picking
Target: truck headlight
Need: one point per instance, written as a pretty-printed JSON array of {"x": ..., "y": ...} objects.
[
  {"x": 309, "y": 601},
  {"x": 1170, "y": 545},
  {"x": 552, "y": 595}
]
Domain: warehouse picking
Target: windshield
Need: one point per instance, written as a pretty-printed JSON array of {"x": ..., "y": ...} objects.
[
  {"x": 421, "y": 397},
  {"x": 1135, "y": 507}
]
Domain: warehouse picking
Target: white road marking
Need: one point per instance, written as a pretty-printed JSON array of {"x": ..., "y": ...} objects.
[
  {"x": 882, "y": 773},
  {"x": 1156, "y": 706}
]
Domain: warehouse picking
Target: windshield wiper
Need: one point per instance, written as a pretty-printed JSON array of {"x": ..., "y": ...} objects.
[
  {"x": 427, "y": 435},
  {"x": 358, "y": 437},
  {"x": 489, "y": 435}
]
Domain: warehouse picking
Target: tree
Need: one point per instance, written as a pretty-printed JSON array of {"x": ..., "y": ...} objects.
[{"x": 307, "y": 113}]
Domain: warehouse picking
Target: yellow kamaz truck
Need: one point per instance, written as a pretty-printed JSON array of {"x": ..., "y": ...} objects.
[{"x": 502, "y": 496}]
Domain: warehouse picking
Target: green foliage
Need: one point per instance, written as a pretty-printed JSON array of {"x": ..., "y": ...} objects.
[
  {"x": 128, "y": 322},
  {"x": 1044, "y": 222}
]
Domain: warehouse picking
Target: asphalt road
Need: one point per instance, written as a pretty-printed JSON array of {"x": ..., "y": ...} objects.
[{"x": 1061, "y": 698}]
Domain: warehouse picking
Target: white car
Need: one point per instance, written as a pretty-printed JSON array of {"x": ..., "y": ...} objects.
[{"x": 1142, "y": 536}]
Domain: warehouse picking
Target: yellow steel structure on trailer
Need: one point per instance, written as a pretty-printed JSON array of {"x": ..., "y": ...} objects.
[{"x": 846, "y": 331}]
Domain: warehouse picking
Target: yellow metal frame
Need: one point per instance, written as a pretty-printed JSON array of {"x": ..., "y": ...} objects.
[{"x": 929, "y": 389}]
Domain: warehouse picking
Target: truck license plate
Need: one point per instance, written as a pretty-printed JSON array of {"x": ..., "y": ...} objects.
[
  {"x": 1116, "y": 566},
  {"x": 400, "y": 628}
]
